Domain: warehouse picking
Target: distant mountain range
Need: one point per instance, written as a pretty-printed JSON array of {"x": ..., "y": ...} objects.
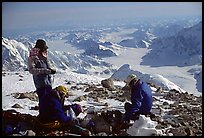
[
  {"x": 182, "y": 49},
  {"x": 15, "y": 54}
]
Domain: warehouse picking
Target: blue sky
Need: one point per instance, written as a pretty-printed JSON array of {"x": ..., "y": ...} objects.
[{"x": 38, "y": 15}]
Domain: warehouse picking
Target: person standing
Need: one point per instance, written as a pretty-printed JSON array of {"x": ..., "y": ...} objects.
[{"x": 39, "y": 66}]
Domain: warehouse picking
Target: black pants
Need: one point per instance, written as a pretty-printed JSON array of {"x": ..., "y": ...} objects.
[{"x": 42, "y": 92}]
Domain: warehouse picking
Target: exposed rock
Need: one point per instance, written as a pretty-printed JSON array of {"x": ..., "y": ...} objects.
[
  {"x": 30, "y": 95},
  {"x": 34, "y": 108},
  {"x": 178, "y": 131},
  {"x": 152, "y": 85},
  {"x": 101, "y": 125},
  {"x": 126, "y": 88},
  {"x": 159, "y": 90},
  {"x": 30, "y": 133},
  {"x": 108, "y": 83},
  {"x": 182, "y": 116},
  {"x": 80, "y": 98},
  {"x": 17, "y": 106}
]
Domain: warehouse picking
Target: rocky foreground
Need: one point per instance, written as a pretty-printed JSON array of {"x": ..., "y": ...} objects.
[{"x": 177, "y": 114}]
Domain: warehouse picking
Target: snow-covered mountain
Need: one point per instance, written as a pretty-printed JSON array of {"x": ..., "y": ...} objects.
[
  {"x": 139, "y": 38},
  {"x": 92, "y": 48},
  {"x": 182, "y": 49},
  {"x": 147, "y": 31},
  {"x": 166, "y": 30},
  {"x": 15, "y": 54}
]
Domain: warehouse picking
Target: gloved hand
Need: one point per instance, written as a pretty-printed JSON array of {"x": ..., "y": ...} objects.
[{"x": 53, "y": 71}]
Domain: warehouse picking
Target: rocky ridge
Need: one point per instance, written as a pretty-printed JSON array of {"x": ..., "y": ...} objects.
[{"x": 177, "y": 114}]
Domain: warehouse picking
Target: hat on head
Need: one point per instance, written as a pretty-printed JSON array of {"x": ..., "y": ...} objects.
[
  {"x": 130, "y": 78},
  {"x": 41, "y": 44},
  {"x": 62, "y": 89}
]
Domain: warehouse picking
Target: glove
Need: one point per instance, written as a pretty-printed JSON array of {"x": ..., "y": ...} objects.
[{"x": 53, "y": 71}]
